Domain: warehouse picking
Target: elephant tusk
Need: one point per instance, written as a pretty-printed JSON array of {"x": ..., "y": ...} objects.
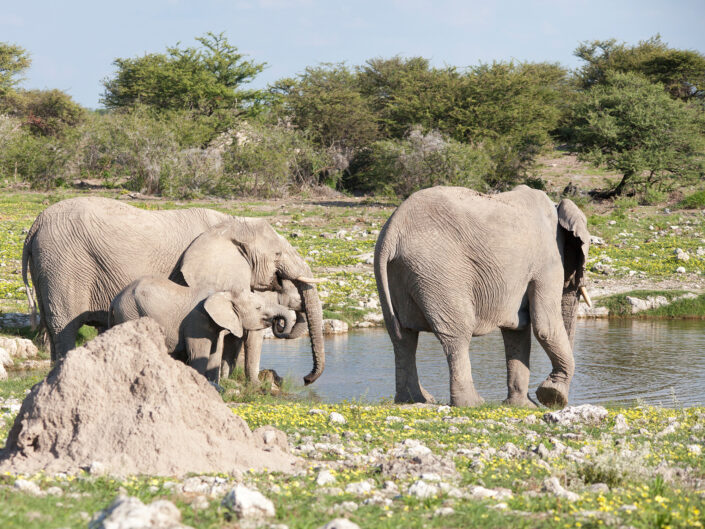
[
  {"x": 583, "y": 291},
  {"x": 310, "y": 280}
]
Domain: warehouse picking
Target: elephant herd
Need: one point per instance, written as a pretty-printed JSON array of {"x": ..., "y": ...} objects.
[{"x": 449, "y": 261}]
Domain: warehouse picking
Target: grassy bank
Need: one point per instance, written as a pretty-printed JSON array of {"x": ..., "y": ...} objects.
[{"x": 639, "y": 467}]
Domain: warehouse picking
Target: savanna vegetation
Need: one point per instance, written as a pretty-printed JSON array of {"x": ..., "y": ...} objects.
[{"x": 183, "y": 123}]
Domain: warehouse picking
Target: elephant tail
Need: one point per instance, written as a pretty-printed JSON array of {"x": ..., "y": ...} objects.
[
  {"x": 26, "y": 257},
  {"x": 384, "y": 252}
]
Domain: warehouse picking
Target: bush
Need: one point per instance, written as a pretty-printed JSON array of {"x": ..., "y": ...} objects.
[
  {"x": 421, "y": 160},
  {"x": 268, "y": 161},
  {"x": 694, "y": 201}
]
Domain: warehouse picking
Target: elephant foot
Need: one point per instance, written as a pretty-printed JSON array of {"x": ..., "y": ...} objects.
[
  {"x": 553, "y": 394},
  {"x": 407, "y": 396},
  {"x": 470, "y": 400},
  {"x": 523, "y": 401}
]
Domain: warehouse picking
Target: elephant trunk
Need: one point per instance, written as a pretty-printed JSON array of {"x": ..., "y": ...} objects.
[
  {"x": 283, "y": 323},
  {"x": 569, "y": 310},
  {"x": 299, "y": 328},
  {"x": 314, "y": 316}
]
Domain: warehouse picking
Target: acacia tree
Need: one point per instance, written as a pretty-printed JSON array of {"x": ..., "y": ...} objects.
[
  {"x": 634, "y": 127},
  {"x": 682, "y": 72},
  {"x": 202, "y": 79},
  {"x": 13, "y": 61}
]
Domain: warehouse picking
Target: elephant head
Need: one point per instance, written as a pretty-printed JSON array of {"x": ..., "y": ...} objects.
[
  {"x": 574, "y": 242},
  {"x": 245, "y": 310},
  {"x": 243, "y": 253}
]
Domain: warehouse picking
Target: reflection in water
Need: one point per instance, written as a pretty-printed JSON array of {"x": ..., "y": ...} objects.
[{"x": 658, "y": 362}]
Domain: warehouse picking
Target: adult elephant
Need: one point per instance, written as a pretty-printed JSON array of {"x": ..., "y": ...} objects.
[
  {"x": 459, "y": 263},
  {"x": 81, "y": 252}
]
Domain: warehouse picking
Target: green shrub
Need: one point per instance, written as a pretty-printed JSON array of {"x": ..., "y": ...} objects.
[
  {"x": 269, "y": 161},
  {"x": 420, "y": 160},
  {"x": 652, "y": 196},
  {"x": 694, "y": 201}
]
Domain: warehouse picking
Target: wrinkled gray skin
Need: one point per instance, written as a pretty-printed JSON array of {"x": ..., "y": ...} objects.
[
  {"x": 248, "y": 359},
  {"x": 459, "y": 264},
  {"x": 82, "y": 252},
  {"x": 194, "y": 320}
]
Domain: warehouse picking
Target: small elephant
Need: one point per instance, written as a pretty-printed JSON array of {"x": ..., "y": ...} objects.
[
  {"x": 458, "y": 263},
  {"x": 247, "y": 358},
  {"x": 196, "y": 321}
]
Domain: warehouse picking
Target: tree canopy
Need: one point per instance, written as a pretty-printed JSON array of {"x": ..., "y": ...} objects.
[
  {"x": 13, "y": 61},
  {"x": 682, "y": 72},
  {"x": 632, "y": 125},
  {"x": 201, "y": 79}
]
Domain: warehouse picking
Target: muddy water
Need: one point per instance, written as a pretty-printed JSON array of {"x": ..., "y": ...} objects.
[{"x": 625, "y": 362}]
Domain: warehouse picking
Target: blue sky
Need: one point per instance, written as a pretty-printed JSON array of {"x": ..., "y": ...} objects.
[{"x": 73, "y": 43}]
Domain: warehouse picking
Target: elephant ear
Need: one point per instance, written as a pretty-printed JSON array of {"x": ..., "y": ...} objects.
[
  {"x": 219, "y": 307},
  {"x": 213, "y": 260},
  {"x": 577, "y": 240}
]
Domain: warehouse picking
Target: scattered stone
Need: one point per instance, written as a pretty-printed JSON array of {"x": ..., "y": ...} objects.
[
  {"x": 248, "y": 503},
  {"x": 128, "y": 512},
  {"x": 444, "y": 511},
  {"x": 422, "y": 490},
  {"x": 18, "y": 347},
  {"x": 553, "y": 486},
  {"x": 3, "y": 373},
  {"x": 583, "y": 414},
  {"x": 336, "y": 418},
  {"x": 392, "y": 419},
  {"x": 681, "y": 254},
  {"x": 325, "y": 478},
  {"x": 14, "y": 320},
  {"x": 334, "y": 327},
  {"x": 592, "y": 312},
  {"x": 651, "y": 302},
  {"x": 5, "y": 358},
  {"x": 599, "y": 488},
  {"x": 316, "y": 411},
  {"x": 346, "y": 506},
  {"x": 359, "y": 488},
  {"x": 680, "y": 270},
  {"x": 28, "y": 487},
  {"x": 620, "y": 424},
  {"x": 695, "y": 449},
  {"x": 340, "y": 523}
]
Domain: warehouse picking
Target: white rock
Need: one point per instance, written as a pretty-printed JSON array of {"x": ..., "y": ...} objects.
[
  {"x": 336, "y": 418},
  {"x": 393, "y": 418},
  {"x": 553, "y": 486},
  {"x": 316, "y": 411},
  {"x": 681, "y": 254},
  {"x": 5, "y": 358},
  {"x": 422, "y": 490},
  {"x": 334, "y": 327},
  {"x": 477, "y": 492},
  {"x": 374, "y": 317},
  {"x": 612, "y": 222},
  {"x": 585, "y": 413},
  {"x": 695, "y": 449},
  {"x": 130, "y": 513},
  {"x": 97, "y": 469},
  {"x": 444, "y": 511},
  {"x": 680, "y": 270},
  {"x": 592, "y": 312},
  {"x": 248, "y": 503},
  {"x": 359, "y": 488},
  {"x": 620, "y": 424},
  {"x": 340, "y": 523},
  {"x": 3, "y": 373},
  {"x": 28, "y": 487},
  {"x": 325, "y": 478}
]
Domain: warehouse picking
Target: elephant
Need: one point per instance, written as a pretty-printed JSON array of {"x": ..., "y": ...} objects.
[
  {"x": 458, "y": 263},
  {"x": 195, "y": 320},
  {"x": 248, "y": 358},
  {"x": 82, "y": 252}
]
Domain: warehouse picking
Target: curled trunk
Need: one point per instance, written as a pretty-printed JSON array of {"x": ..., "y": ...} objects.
[
  {"x": 298, "y": 330},
  {"x": 283, "y": 323}
]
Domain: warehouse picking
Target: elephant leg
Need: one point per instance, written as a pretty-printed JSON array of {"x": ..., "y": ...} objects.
[
  {"x": 215, "y": 359},
  {"x": 232, "y": 346},
  {"x": 517, "y": 348},
  {"x": 253, "y": 350},
  {"x": 408, "y": 387},
  {"x": 199, "y": 351},
  {"x": 64, "y": 340},
  {"x": 462, "y": 388},
  {"x": 240, "y": 354},
  {"x": 547, "y": 322}
]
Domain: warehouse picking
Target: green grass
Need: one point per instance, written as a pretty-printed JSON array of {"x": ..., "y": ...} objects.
[
  {"x": 693, "y": 201},
  {"x": 620, "y": 307}
]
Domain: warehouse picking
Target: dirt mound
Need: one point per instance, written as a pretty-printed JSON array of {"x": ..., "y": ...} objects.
[{"x": 122, "y": 402}]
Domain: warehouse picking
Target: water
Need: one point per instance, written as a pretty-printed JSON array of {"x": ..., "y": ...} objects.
[{"x": 655, "y": 362}]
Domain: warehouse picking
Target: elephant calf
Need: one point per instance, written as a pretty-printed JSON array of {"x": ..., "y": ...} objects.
[{"x": 196, "y": 321}]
